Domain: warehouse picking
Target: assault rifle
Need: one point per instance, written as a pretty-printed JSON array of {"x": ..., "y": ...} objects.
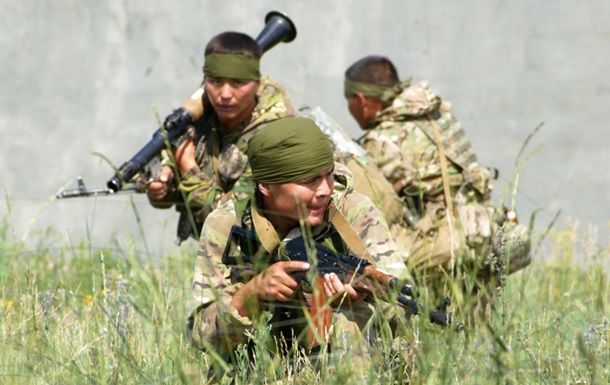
[
  {"x": 175, "y": 129},
  {"x": 82, "y": 191},
  {"x": 138, "y": 184},
  {"x": 244, "y": 255}
]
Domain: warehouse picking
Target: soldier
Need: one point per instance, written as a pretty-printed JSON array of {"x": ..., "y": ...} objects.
[
  {"x": 212, "y": 164},
  {"x": 299, "y": 190},
  {"x": 421, "y": 148}
]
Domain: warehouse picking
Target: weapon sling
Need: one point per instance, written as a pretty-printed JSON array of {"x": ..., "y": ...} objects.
[
  {"x": 443, "y": 160},
  {"x": 447, "y": 191},
  {"x": 348, "y": 234}
]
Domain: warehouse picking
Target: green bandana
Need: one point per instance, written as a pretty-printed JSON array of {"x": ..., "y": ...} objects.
[
  {"x": 351, "y": 87},
  {"x": 392, "y": 92},
  {"x": 386, "y": 94},
  {"x": 231, "y": 66},
  {"x": 288, "y": 150}
]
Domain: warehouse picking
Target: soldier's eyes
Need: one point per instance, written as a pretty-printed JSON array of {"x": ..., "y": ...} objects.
[
  {"x": 213, "y": 81},
  {"x": 315, "y": 178}
]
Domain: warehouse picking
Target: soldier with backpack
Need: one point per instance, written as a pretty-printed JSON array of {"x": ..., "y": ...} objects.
[{"x": 421, "y": 148}]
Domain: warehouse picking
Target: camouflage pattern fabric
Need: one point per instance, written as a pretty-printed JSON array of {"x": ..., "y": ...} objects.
[
  {"x": 401, "y": 141},
  {"x": 200, "y": 186},
  {"x": 214, "y": 324}
]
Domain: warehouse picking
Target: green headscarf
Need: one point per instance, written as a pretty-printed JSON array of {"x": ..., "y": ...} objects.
[
  {"x": 232, "y": 66},
  {"x": 369, "y": 90},
  {"x": 287, "y": 150}
]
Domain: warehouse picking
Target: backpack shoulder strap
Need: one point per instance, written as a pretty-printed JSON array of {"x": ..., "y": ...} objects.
[{"x": 443, "y": 160}]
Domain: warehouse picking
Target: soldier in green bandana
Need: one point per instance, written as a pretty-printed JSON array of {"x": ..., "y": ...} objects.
[
  {"x": 422, "y": 149},
  {"x": 299, "y": 190},
  {"x": 212, "y": 164}
]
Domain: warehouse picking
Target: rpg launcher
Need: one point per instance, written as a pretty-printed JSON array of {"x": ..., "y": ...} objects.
[
  {"x": 246, "y": 257},
  {"x": 278, "y": 28}
]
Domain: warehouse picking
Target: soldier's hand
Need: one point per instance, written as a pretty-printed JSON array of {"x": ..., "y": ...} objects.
[
  {"x": 276, "y": 283},
  {"x": 160, "y": 187},
  {"x": 337, "y": 290}
]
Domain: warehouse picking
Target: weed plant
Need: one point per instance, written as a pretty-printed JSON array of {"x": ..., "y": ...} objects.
[{"x": 71, "y": 314}]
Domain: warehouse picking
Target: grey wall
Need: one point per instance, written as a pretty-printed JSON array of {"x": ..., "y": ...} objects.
[{"x": 80, "y": 76}]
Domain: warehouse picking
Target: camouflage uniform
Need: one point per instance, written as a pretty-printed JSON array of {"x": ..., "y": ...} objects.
[
  {"x": 200, "y": 186},
  {"x": 214, "y": 324},
  {"x": 402, "y": 143}
]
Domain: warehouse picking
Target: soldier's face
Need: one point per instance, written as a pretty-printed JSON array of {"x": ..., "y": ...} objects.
[
  {"x": 363, "y": 109},
  {"x": 308, "y": 199},
  {"x": 354, "y": 105},
  {"x": 232, "y": 99}
]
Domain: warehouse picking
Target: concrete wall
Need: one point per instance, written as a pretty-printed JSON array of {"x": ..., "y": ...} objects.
[{"x": 83, "y": 76}]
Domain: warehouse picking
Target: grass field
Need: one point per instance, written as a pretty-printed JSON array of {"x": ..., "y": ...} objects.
[{"x": 70, "y": 314}]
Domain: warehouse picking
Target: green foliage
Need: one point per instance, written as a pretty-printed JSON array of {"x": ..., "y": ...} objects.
[{"x": 72, "y": 314}]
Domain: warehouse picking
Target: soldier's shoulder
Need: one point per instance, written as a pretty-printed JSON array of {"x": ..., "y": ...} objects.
[
  {"x": 344, "y": 179},
  {"x": 272, "y": 91},
  {"x": 355, "y": 206},
  {"x": 224, "y": 211},
  {"x": 273, "y": 103},
  {"x": 219, "y": 222},
  {"x": 270, "y": 84}
]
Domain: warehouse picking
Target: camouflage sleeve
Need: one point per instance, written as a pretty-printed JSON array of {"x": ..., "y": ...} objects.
[
  {"x": 200, "y": 190},
  {"x": 388, "y": 155},
  {"x": 213, "y": 323},
  {"x": 371, "y": 227}
]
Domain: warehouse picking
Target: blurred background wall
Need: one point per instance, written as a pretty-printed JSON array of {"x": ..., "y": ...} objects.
[{"x": 83, "y": 76}]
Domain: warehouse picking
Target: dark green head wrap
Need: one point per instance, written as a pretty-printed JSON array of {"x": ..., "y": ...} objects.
[
  {"x": 232, "y": 66},
  {"x": 288, "y": 150},
  {"x": 370, "y": 90}
]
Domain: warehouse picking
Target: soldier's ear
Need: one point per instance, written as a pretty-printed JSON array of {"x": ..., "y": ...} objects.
[
  {"x": 361, "y": 98},
  {"x": 264, "y": 189},
  {"x": 369, "y": 107}
]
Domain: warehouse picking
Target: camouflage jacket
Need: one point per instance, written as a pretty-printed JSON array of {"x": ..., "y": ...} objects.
[
  {"x": 213, "y": 323},
  {"x": 201, "y": 186},
  {"x": 401, "y": 141}
]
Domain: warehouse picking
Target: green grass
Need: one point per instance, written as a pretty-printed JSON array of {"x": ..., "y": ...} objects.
[{"x": 70, "y": 314}]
